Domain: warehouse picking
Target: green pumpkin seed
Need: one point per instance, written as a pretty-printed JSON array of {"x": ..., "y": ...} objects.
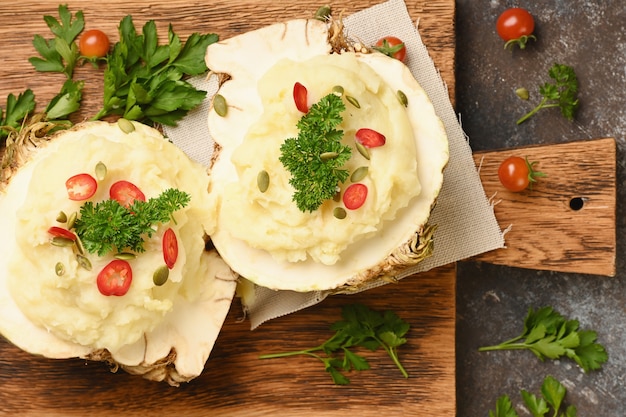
[
  {"x": 71, "y": 221},
  {"x": 101, "y": 171},
  {"x": 359, "y": 174},
  {"x": 62, "y": 241},
  {"x": 125, "y": 256},
  {"x": 220, "y": 106},
  {"x": 161, "y": 275},
  {"x": 363, "y": 150},
  {"x": 263, "y": 181},
  {"x": 61, "y": 217},
  {"x": 353, "y": 101},
  {"x": 402, "y": 97},
  {"x": 83, "y": 262},
  {"x": 339, "y": 213},
  {"x": 59, "y": 269},
  {"x": 79, "y": 246},
  {"x": 338, "y": 90},
  {"x": 327, "y": 156},
  {"x": 323, "y": 13},
  {"x": 522, "y": 93},
  {"x": 125, "y": 125}
]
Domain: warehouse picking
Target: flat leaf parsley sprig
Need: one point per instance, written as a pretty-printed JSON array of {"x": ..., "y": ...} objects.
[
  {"x": 360, "y": 327},
  {"x": 316, "y": 157},
  {"x": 548, "y": 334},
  {"x": 561, "y": 94},
  {"x": 109, "y": 226},
  {"x": 144, "y": 80}
]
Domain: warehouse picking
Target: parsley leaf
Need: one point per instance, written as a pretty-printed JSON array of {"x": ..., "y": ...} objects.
[
  {"x": 552, "y": 396},
  {"x": 60, "y": 54},
  {"x": 17, "y": 108},
  {"x": 561, "y": 94},
  {"x": 144, "y": 81},
  {"x": 547, "y": 334},
  {"x": 360, "y": 327},
  {"x": 504, "y": 408},
  {"x": 108, "y": 226},
  {"x": 313, "y": 176}
]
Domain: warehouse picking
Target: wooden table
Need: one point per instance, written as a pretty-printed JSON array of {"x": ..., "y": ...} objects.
[{"x": 235, "y": 381}]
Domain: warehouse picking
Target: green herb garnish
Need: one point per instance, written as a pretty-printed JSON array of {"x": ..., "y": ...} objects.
[
  {"x": 59, "y": 54},
  {"x": 144, "y": 81},
  {"x": 360, "y": 327},
  {"x": 561, "y": 94},
  {"x": 108, "y": 226},
  {"x": 315, "y": 178},
  {"x": 551, "y": 399},
  {"x": 17, "y": 109},
  {"x": 547, "y": 334}
]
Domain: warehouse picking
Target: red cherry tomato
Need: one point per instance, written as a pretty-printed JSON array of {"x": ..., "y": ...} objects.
[
  {"x": 370, "y": 138},
  {"x": 516, "y": 173},
  {"x": 93, "y": 44},
  {"x": 300, "y": 97},
  {"x": 391, "y": 46},
  {"x": 126, "y": 193},
  {"x": 81, "y": 187},
  {"x": 170, "y": 248},
  {"x": 515, "y": 25},
  {"x": 355, "y": 196},
  {"x": 115, "y": 278},
  {"x": 61, "y": 232}
]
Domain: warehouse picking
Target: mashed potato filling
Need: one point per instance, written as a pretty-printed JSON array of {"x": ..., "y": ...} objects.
[
  {"x": 271, "y": 220},
  {"x": 70, "y": 305}
]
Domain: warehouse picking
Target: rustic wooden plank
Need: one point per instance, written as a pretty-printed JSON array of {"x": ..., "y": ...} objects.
[
  {"x": 236, "y": 382},
  {"x": 567, "y": 221}
]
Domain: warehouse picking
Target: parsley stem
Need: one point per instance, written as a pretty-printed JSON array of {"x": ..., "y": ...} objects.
[
  {"x": 292, "y": 353},
  {"x": 394, "y": 356}
]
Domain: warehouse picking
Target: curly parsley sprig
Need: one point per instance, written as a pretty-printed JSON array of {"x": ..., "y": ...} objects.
[
  {"x": 360, "y": 327},
  {"x": 108, "y": 226},
  {"x": 561, "y": 94},
  {"x": 548, "y": 334},
  {"x": 316, "y": 157}
]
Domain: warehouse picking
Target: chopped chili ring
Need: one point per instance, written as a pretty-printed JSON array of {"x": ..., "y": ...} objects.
[
  {"x": 355, "y": 195},
  {"x": 115, "y": 278},
  {"x": 300, "y": 97},
  {"x": 61, "y": 232},
  {"x": 370, "y": 138}
]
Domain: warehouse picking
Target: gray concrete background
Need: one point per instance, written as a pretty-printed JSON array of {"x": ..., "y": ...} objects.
[{"x": 492, "y": 301}]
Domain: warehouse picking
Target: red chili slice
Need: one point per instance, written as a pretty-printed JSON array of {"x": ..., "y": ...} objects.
[
  {"x": 170, "y": 248},
  {"x": 355, "y": 196},
  {"x": 126, "y": 193},
  {"x": 81, "y": 187},
  {"x": 300, "y": 97},
  {"x": 370, "y": 138},
  {"x": 115, "y": 278},
  {"x": 61, "y": 232}
]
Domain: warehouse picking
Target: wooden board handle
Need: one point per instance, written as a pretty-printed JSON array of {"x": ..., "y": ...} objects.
[{"x": 566, "y": 222}]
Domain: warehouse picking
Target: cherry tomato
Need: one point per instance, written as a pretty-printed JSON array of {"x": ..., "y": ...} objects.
[
  {"x": 300, "y": 97},
  {"x": 391, "y": 46},
  {"x": 355, "y": 196},
  {"x": 515, "y": 26},
  {"x": 126, "y": 193},
  {"x": 516, "y": 173},
  {"x": 61, "y": 232},
  {"x": 370, "y": 138},
  {"x": 93, "y": 44},
  {"x": 115, "y": 278},
  {"x": 170, "y": 248},
  {"x": 81, "y": 187}
]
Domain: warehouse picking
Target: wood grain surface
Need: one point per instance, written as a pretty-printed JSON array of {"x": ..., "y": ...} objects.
[
  {"x": 567, "y": 221},
  {"x": 236, "y": 382}
]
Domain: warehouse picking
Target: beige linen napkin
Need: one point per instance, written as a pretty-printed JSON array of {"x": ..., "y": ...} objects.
[{"x": 465, "y": 219}]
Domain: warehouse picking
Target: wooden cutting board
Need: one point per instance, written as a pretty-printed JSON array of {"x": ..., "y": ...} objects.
[{"x": 236, "y": 382}]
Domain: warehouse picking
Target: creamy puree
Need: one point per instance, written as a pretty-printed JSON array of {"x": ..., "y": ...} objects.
[
  {"x": 271, "y": 221},
  {"x": 70, "y": 306}
]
